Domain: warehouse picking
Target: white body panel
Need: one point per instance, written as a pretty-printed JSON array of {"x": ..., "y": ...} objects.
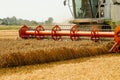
[
  {"x": 115, "y": 13},
  {"x": 116, "y": 1},
  {"x": 112, "y": 11}
]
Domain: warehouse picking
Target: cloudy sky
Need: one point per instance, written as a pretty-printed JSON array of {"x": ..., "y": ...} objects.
[{"x": 38, "y": 10}]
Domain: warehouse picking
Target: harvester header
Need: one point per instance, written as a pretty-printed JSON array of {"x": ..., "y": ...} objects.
[{"x": 74, "y": 33}]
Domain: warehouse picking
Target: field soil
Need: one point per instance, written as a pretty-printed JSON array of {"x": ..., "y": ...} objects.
[
  {"x": 9, "y": 34},
  {"x": 104, "y": 67},
  {"x": 97, "y": 67}
]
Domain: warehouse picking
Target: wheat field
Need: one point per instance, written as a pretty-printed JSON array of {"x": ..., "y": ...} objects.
[
  {"x": 104, "y": 67},
  {"x": 36, "y": 59},
  {"x": 24, "y": 52}
]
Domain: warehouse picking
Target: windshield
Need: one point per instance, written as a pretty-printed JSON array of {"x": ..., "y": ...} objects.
[{"x": 85, "y": 8}]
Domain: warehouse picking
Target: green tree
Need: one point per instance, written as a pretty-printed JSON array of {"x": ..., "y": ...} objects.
[
  {"x": 1, "y": 21},
  {"x": 14, "y": 21},
  {"x": 49, "y": 21},
  {"x": 5, "y": 22}
]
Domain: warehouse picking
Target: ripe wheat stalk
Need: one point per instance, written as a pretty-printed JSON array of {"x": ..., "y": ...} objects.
[{"x": 26, "y": 52}]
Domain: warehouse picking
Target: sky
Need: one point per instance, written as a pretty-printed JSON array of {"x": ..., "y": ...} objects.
[{"x": 38, "y": 10}]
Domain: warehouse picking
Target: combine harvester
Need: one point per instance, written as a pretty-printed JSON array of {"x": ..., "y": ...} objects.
[{"x": 100, "y": 16}]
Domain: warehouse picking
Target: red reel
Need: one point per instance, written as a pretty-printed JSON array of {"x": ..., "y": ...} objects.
[
  {"x": 117, "y": 34},
  {"x": 94, "y": 34},
  {"x": 37, "y": 30},
  {"x": 73, "y": 33},
  {"x": 54, "y": 33},
  {"x": 22, "y": 31}
]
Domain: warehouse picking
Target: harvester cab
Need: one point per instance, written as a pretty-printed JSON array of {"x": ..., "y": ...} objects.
[{"x": 101, "y": 12}]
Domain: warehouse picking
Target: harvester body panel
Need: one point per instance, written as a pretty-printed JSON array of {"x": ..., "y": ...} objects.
[{"x": 95, "y": 11}]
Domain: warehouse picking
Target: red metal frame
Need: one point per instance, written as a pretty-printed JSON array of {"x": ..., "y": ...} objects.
[
  {"x": 37, "y": 30},
  {"x": 116, "y": 46},
  {"x": 22, "y": 32},
  {"x": 56, "y": 33},
  {"x": 94, "y": 34},
  {"x": 73, "y": 33}
]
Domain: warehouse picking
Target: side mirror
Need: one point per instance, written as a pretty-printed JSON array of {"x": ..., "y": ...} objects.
[{"x": 64, "y": 3}]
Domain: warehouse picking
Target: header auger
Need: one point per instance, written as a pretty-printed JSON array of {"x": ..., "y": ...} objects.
[{"x": 74, "y": 33}]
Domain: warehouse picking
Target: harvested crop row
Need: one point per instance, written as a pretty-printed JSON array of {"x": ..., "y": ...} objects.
[{"x": 26, "y": 52}]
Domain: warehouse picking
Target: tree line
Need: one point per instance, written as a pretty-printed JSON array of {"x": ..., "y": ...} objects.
[{"x": 14, "y": 21}]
